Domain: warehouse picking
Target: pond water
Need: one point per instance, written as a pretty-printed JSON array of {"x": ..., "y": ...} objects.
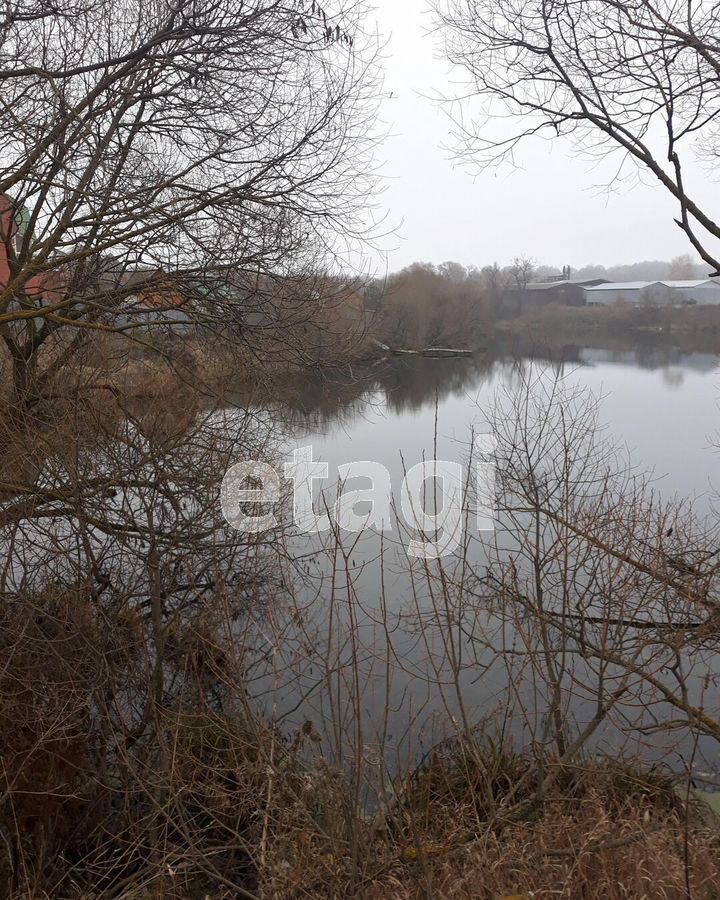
[
  {"x": 382, "y": 654},
  {"x": 664, "y": 411}
]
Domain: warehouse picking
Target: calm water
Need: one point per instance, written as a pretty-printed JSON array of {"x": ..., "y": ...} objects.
[
  {"x": 661, "y": 407},
  {"x": 664, "y": 412}
]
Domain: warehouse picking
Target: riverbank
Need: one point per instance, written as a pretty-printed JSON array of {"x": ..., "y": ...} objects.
[{"x": 694, "y": 329}]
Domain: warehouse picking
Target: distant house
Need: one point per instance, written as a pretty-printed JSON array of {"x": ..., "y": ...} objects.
[
  {"x": 151, "y": 298},
  {"x": 702, "y": 292},
  {"x": 556, "y": 290},
  {"x": 45, "y": 287},
  {"x": 11, "y": 232}
]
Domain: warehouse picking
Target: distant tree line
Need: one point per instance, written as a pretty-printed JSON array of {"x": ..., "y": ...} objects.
[{"x": 449, "y": 304}]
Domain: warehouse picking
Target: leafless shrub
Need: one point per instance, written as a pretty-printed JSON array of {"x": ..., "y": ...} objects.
[{"x": 425, "y": 306}]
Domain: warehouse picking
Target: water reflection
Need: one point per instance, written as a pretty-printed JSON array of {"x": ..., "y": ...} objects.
[
  {"x": 659, "y": 403},
  {"x": 319, "y": 400}
]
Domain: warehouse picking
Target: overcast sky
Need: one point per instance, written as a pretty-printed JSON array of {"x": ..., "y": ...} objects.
[{"x": 550, "y": 210}]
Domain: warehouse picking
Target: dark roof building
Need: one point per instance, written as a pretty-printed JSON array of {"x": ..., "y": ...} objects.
[{"x": 562, "y": 292}]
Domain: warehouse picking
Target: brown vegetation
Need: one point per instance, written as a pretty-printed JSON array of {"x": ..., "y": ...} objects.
[
  {"x": 202, "y": 798},
  {"x": 207, "y": 800},
  {"x": 424, "y": 306},
  {"x": 428, "y": 306}
]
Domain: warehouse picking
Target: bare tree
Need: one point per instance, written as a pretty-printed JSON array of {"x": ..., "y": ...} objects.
[
  {"x": 614, "y": 589},
  {"x": 521, "y": 271},
  {"x": 198, "y": 143},
  {"x": 638, "y": 77},
  {"x": 682, "y": 267}
]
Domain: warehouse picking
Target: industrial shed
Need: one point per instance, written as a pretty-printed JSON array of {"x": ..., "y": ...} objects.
[
  {"x": 703, "y": 292},
  {"x": 560, "y": 291}
]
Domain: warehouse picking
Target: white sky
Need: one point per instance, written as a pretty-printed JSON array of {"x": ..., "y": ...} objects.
[{"x": 550, "y": 210}]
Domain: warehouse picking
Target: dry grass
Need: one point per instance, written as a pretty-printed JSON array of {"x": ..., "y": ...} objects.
[
  {"x": 605, "y": 831},
  {"x": 220, "y": 805}
]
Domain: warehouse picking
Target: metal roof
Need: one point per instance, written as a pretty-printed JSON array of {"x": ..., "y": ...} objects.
[
  {"x": 639, "y": 285},
  {"x": 622, "y": 286},
  {"x": 543, "y": 285},
  {"x": 550, "y": 285},
  {"x": 702, "y": 282}
]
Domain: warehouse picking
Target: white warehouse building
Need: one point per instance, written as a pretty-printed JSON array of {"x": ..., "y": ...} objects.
[{"x": 704, "y": 292}]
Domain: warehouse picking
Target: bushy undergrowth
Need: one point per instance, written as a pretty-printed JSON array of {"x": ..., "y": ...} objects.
[{"x": 203, "y": 802}]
